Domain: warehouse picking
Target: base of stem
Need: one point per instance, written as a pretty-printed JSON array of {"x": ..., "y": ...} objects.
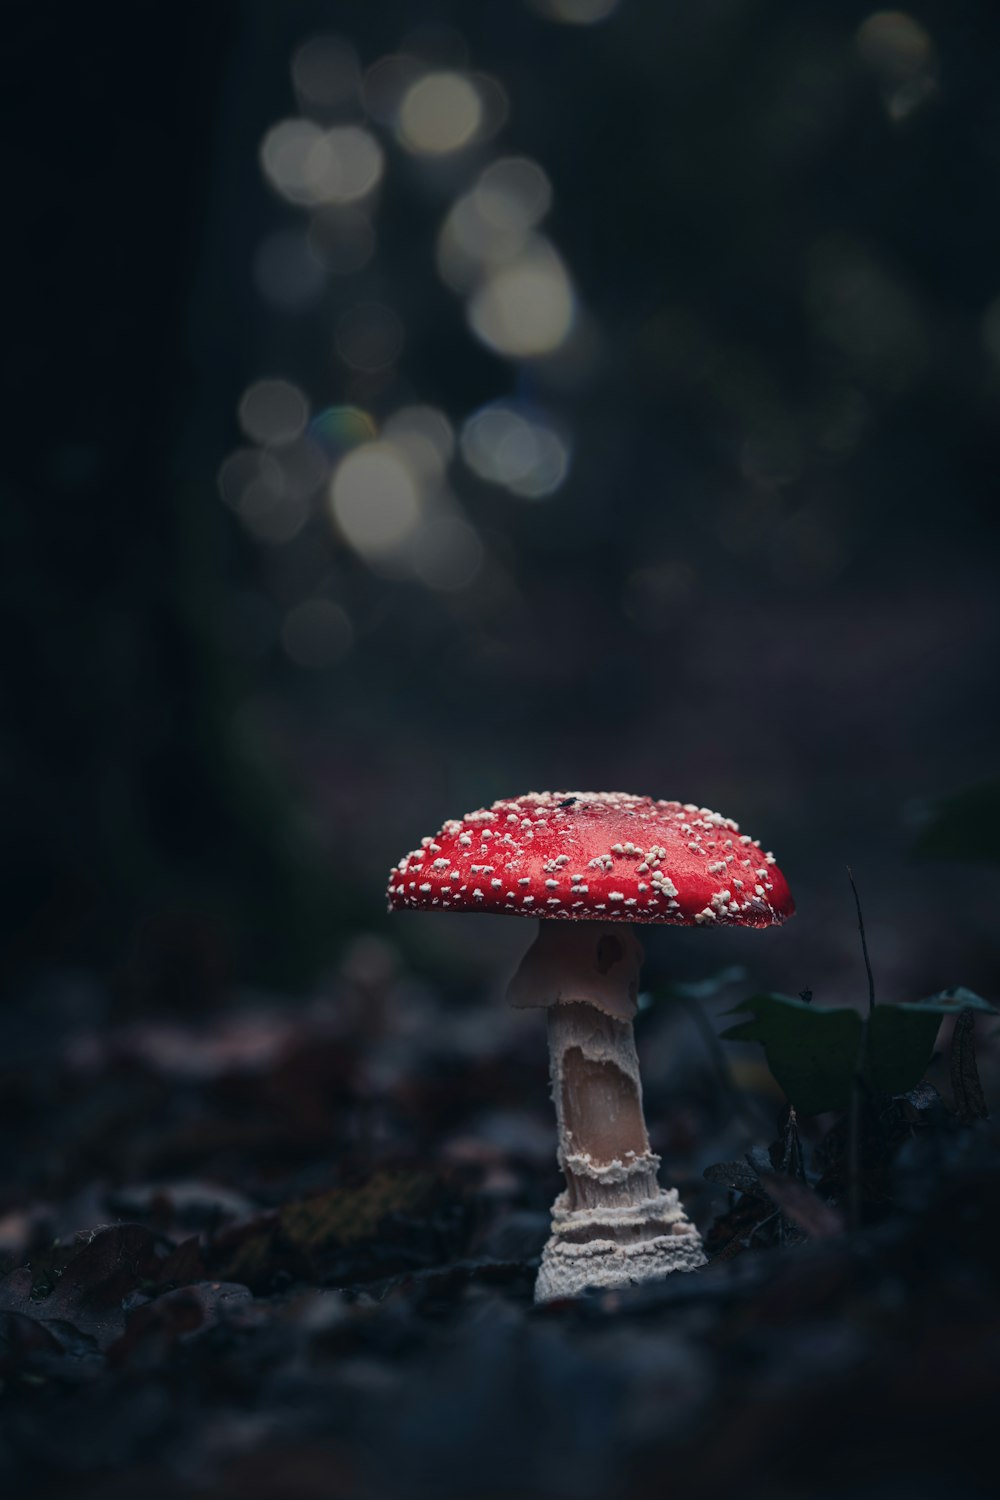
[{"x": 614, "y": 1247}]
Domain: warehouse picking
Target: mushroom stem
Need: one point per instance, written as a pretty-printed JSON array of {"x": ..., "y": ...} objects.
[
  {"x": 613, "y": 1224},
  {"x": 603, "y": 1145}
]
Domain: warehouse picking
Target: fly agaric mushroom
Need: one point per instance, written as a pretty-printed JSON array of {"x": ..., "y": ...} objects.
[{"x": 588, "y": 864}]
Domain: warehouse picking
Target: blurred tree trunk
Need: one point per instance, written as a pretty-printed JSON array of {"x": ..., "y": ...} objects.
[{"x": 136, "y": 841}]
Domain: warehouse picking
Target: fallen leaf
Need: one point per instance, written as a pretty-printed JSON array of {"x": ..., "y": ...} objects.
[
  {"x": 346, "y": 1216},
  {"x": 155, "y": 1326},
  {"x": 802, "y": 1206},
  {"x": 738, "y": 1176}
]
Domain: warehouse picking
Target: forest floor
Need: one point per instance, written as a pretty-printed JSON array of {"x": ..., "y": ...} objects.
[{"x": 289, "y": 1252}]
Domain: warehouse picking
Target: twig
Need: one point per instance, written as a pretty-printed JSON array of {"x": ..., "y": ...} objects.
[
  {"x": 864, "y": 944},
  {"x": 854, "y": 1177},
  {"x": 762, "y": 1224}
]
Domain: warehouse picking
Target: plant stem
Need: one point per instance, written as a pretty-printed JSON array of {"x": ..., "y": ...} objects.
[
  {"x": 864, "y": 944},
  {"x": 854, "y": 1178}
]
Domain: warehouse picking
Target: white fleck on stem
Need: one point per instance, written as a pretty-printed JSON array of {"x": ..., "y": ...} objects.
[{"x": 613, "y": 1224}]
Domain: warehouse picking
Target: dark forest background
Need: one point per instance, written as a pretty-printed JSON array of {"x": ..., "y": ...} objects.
[
  {"x": 411, "y": 403},
  {"x": 765, "y": 583}
]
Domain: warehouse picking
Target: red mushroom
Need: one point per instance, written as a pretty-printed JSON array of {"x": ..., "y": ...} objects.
[{"x": 588, "y": 864}]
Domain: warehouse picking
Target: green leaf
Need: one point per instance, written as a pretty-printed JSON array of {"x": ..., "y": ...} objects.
[
  {"x": 901, "y": 1037},
  {"x": 812, "y": 1050},
  {"x": 900, "y": 1045}
]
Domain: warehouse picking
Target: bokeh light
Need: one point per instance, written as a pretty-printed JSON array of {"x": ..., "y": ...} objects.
[
  {"x": 296, "y": 160},
  {"x": 524, "y": 309},
  {"x": 243, "y": 469},
  {"x": 894, "y": 44},
  {"x": 287, "y": 271},
  {"x": 447, "y": 554},
  {"x": 386, "y": 83},
  {"x": 358, "y": 163},
  {"x": 326, "y": 73},
  {"x": 494, "y": 105},
  {"x": 864, "y": 311},
  {"x": 342, "y": 239},
  {"x": 273, "y": 411},
  {"x": 302, "y": 467},
  {"x": 425, "y": 436},
  {"x": 990, "y": 330},
  {"x": 514, "y": 193},
  {"x": 369, "y": 337},
  {"x": 516, "y": 448},
  {"x": 375, "y": 499},
  {"x": 575, "y": 12},
  {"x": 272, "y": 490},
  {"x": 310, "y": 166},
  {"x": 468, "y": 243},
  {"x": 338, "y": 429},
  {"x": 491, "y": 223},
  {"x": 273, "y": 517},
  {"x": 899, "y": 51},
  {"x": 316, "y": 633},
  {"x": 439, "y": 113}
]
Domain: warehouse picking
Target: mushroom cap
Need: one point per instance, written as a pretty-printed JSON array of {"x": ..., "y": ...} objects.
[{"x": 595, "y": 856}]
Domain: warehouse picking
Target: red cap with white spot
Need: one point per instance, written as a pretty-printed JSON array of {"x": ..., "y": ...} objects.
[{"x": 595, "y": 856}]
